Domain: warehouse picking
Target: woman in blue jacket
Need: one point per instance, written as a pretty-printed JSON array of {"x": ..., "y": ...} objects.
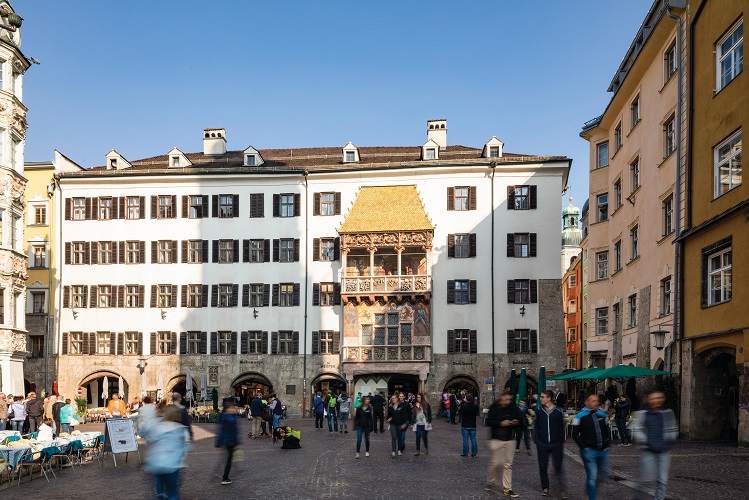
[{"x": 228, "y": 435}]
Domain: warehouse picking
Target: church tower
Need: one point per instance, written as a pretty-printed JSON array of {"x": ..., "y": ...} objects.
[{"x": 571, "y": 235}]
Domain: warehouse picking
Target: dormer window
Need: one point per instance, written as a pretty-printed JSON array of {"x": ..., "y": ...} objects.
[
  {"x": 175, "y": 161},
  {"x": 431, "y": 154},
  {"x": 113, "y": 163},
  {"x": 494, "y": 152},
  {"x": 249, "y": 160},
  {"x": 350, "y": 153},
  {"x": 350, "y": 156}
]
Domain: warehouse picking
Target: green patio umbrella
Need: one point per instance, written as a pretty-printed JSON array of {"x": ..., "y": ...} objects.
[
  {"x": 565, "y": 375},
  {"x": 513, "y": 383},
  {"x": 214, "y": 397},
  {"x": 623, "y": 372},
  {"x": 522, "y": 385},
  {"x": 590, "y": 373},
  {"x": 541, "y": 386}
]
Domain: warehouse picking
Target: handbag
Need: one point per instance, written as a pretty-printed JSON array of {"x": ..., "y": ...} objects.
[
  {"x": 74, "y": 421},
  {"x": 428, "y": 427}
]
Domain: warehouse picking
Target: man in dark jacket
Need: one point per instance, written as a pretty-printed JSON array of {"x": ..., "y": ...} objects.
[
  {"x": 469, "y": 411},
  {"x": 34, "y": 409},
  {"x": 56, "y": 407},
  {"x": 228, "y": 435},
  {"x": 453, "y": 406},
  {"x": 591, "y": 432},
  {"x": 549, "y": 435},
  {"x": 504, "y": 418},
  {"x": 256, "y": 412},
  {"x": 378, "y": 409},
  {"x": 319, "y": 409},
  {"x": 186, "y": 420}
]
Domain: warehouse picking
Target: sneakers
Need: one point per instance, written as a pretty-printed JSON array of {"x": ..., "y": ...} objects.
[
  {"x": 399, "y": 453},
  {"x": 529, "y": 452},
  {"x": 564, "y": 496},
  {"x": 226, "y": 481},
  {"x": 345, "y": 432},
  {"x": 426, "y": 451},
  {"x": 393, "y": 454},
  {"x": 417, "y": 454},
  {"x": 357, "y": 456},
  {"x": 488, "y": 487},
  {"x": 511, "y": 494},
  {"x": 545, "y": 492},
  {"x": 366, "y": 454}
]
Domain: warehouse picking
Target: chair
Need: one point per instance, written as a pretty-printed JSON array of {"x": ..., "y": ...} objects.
[
  {"x": 10, "y": 439},
  {"x": 93, "y": 449},
  {"x": 68, "y": 454},
  {"x": 43, "y": 462}
]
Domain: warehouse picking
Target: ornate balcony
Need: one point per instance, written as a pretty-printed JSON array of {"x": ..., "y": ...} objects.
[
  {"x": 420, "y": 283},
  {"x": 379, "y": 354}
]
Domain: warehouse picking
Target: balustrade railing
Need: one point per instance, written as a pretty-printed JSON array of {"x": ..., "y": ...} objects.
[
  {"x": 372, "y": 284},
  {"x": 387, "y": 353}
]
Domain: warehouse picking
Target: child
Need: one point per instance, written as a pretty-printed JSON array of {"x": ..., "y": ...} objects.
[{"x": 46, "y": 432}]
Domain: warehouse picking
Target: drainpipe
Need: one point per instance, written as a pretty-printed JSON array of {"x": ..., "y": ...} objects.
[
  {"x": 306, "y": 288},
  {"x": 494, "y": 381}
]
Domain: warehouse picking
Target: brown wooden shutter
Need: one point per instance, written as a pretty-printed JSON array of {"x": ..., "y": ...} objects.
[
  {"x": 68, "y": 208},
  {"x": 266, "y": 250},
  {"x": 295, "y": 342},
  {"x": 534, "y": 341},
  {"x": 185, "y": 246},
  {"x": 264, "y": 343},
  {"x": 533, "y": 245},
  {"x": 113, "y": 343},
  {"x": 510, "y": 341},
  {"x": 214, "y": 342},
  {"x": 122, "y": 255},
  {"x": 233, "y": 348},
  {"x": 315, "y": 342},
  {"x": 533, "y": 197},
  {"x": 185, "y": 206},
  {"x": 266, "y": 295},
  {"x": 510, "y": 291},
  {"x": 94, "y": 246},
  {"x": 234, "y": 295},
  {"x": 173, "y": 342},
  {"x": 141, "y": 252},
  {"x": 296, "y": 293},
  {"x": 336, "y": 343},
  {"x": 86, "y": 252},
  {"x": 204, "y": 296},
  {"x": 276, "y": 292},
  {"x": 121, "y": 342},
  {"x": 450, "y": 246},
  {"x": 142, "y": 207},
  {"x": 511, "y": 244},
  {"x": 141, "y": 296},
  {"x": 94, "y": 208},
  {"x": 94, "y": 295},
  {"x": 246, "y": 295},
  {"x": 92, "y": 343},
  {"x": 316, "y": 205},
  {"x": 185, "y": 289},
  {"x": 337, "y": 294},
  {"x": 174, "y": 295},
  {"x": 203, "y": 342},
  {"x": 297, "y": 205},
  {"x": 204, "y": 251},
  {"x": 204, "y": 207},
  {"x": 140, "y": 344},
  {"x": 315, "y": 294},
  {"x": 472, "y": 198},
  {"x": 510, "y": 197},
  {"x": 66, "y": 296},
  {"x": 68, "y": 253},
  {"x": 84, "y": 342},
  {"x": 451, "y": 341},
  {"x": 235, "y": 206},
  {"x": 472, "y": 342},
  {"x": 183, "y": 342},
  {"x": 296, "y": 250},
  {"x": 154, "y": 252},
  {"x": 85, "y": 296},
  {"x": 174, "y": 252},
  {"x": 152, "y": 342},
  {"x": 214, "y": 205},
  {"x": 154, "y": 295},
  {"x": 88, "y": 208},
  {"x": 274, "y": 343},
  {"x": 450, "y": 291},
  {"x": 315, "y": 249},
  {"x": 235, "y": 250},
  {"x": 154, "y": 207},
  {"x": 115, "y": 253},
  {"x": 534, "y": 291},
  {"x": 65, "y": 342},
  {"x": 472, "y": 292},
  {"x": 121, "y": 201},
  {"x": 214, "y": 295},
  {"x": 121, "y": 296},
  {"x": 174, "y": 206},
  {"x": 256, "y": 205},
  {"x": 472, "y": 245},
  {"x": 244, "y": 341},
  {"x": 338, "y": 204},
  {"x": 451, "y": 198},
  {"x": 245, "y": 250},
  {"x": 214, "y": 252},
  {"x": 276, "y": 205},
  {"x": 337, "y": 249},
  {"x": 276, "y": 250}
]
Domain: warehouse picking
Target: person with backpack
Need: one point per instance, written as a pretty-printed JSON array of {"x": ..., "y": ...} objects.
[
  {"x": 319, "y": 408},
  {"x": 330, "y": 405},
  {"x": 277, "y": 408},
  {"x": 344, "y": 409}
]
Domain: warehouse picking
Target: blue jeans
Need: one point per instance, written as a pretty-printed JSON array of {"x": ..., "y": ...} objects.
[
  {"x": 66, "y": 427},
  {"x": 365, "y": 432},
  {"x": 621, "y": 424},
  {"x": 654, "y": 467},
  {"x": 596, "y": 463},
  {"x": 344, "y": 421},
  {"x": 403, "y": 438},
  {"x": 398, "y": 437},
  {"x": 332, "y": 418},
  {"x": 167, "y": 486},
  {"x": 447, "y": 414},
  {"x": 556, "y": 450},
  {"x": 276, "y": 421},
  {"x": 17, "y": 425},
  {"x": 469, "y": 432},
  {"x": 421, "y": 433}
]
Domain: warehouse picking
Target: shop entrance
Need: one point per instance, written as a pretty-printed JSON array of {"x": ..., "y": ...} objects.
[
  {"x": 462, "y": 383},
  {"x": 716, "y": 384},
  {"x": 403, "y": 383},
  {"x": 247, "y": 385},
  {"x": 99, "y": 391},
  {"x": 327, "y": 384}
]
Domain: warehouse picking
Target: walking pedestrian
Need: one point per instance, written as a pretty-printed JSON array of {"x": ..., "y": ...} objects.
[
  {"x": 453, "y": 406},
  {"x": 331, "y": 402},
  {"x": 17, "y": 414},
  {"x": 523, "y": 431},
  {"x": 185, "y": 419},
  {"x": 319, "y": 408},
  {"x": 256, "y": 412},
  {"x": 655, "y": 430},
  {"x": 622, "y": 407},
  {"x": 503, "y": 418},
  {"x": 67, "y": 414},
  {"x": 165, "y": 455},
  {"x": 409, "y": 418},
  {"x": 397, "y": 423},
  {"x": 56, "y": 408},
  {"x": 34, "y": 410},
  {"x": 357, "y": 400},
  {"x": 590, "y": 431},
  {"x": 378, "y": 412},
  {"x": 363, "y": 422},
  {"x": 422, "y": 419},
  {"x": 549, "y": 435},
  {"x": 228, "y": 435},
  {"x": 344, "y": 409},
  {"x": 468, "y": 425}
]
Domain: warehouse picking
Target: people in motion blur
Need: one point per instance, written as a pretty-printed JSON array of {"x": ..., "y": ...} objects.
[
  {"x": 167, "y": 447},
  {"x": 290, "y": 438},
  {"x": 378, "y": 402},
  {"x": 590, "y": 431},
  {"x": 503, "y": 418},
  {"x": 469, "y": 411},
  {"x": 331, "y": 403},
  {"x": 363, "y": 422},
  {"x": 228, "y": 435},
  {"x": 523, "y": 431},
  {"x": 621, "y": 412},
  {"x": 549, "y": 435}
]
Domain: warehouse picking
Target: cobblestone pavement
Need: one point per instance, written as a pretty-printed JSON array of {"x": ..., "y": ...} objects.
[{"x": 325, "y": 468}]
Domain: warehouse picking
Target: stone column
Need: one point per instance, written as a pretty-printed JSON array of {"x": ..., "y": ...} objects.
[
  {"x": 11, "y": 372},
  {"x": 371, "y": 261},
  {"x": 400, "y": 251}
]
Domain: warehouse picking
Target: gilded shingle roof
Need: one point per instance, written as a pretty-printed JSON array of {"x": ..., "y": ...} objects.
[{"x": 387, "y": 208}]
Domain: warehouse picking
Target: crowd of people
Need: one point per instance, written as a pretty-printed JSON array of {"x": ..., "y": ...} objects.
[{"x": 51, "y": 415}]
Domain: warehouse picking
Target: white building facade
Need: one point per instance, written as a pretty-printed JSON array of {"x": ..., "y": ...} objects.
[{"x": 368, "y": 269}]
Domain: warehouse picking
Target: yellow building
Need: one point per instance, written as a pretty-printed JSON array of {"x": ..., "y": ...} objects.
[{"x": 715, "y": 392}]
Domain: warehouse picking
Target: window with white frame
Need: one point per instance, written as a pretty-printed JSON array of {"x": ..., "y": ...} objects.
[
  {"x": 632, "y": 306},
  {"x": 669, "y": 137},
  {"x": 668, "y": 215},
  {"x": 572, "y": 306},
  {"x": 164, "y": 343},
  {"x": 193, "y": 342},
  {"x": 39, "y": 255},
  {"x": 572, "y": 281},
  {"x": 571, "y": 334},
  {"x": 104, "y": 296},
  {"x": 105, "y": 208},
  {"x": 522, "y": 244},
  {"x": 38, "y": 302},
  {"x": 195, "y": 295},
  {"x": 287, "y": 205},
  {"x": 617, "y": 194},
  {"x": 635, "y": 111},
  {"x": 225, "y": 251},
  {"x": 327, "y": 249},
  {"x": 602, "y": 321},
  {"x": 602, "y": 152},
  {"x": 103, "y": 343},
  {"x": 226, "y": 206},
  {"x": 669, "y": 62},
  {"x": 729, "y": 55},
  {"x": 666, "y": 296},
  {"x": 728, "y": 164},
  {"x": 286, "y": 253},
  {"x": 719, "y": 282},
  {"x": 79, "y": 252},
  {"x": 493, "y": 151},
  {"x": 165, "y": 251},
  {"x": 79, "y": 208},
  {"x": 39, "y": 214},
  {"x": 78, "y": 296},
  {"x": 431, "y": 153},
  {"x": 616, "y": 313},
  {"x": 634, "y": 169},
  {"x": 257, "y": 250},
  {"x": 462, "y": 246},
  {"x": 350, "y": 156},
  {"x": 602, "y": 200},
  {"x": 618, "y": 256},
  {"x": 132, "y": 252},
  {"x": 165, "y": 296},
  {"x": 327, "y": 203},
  {"x": 133, "y": 207},
  {"x": 602, "y": 265},
  {"x": 224, "y": 295},
  {"x": 618, "y": 137},
  {"x": 461, "y": 198},
  {"x": 196, "y": 209},
  {"x": 255, "y": 342},
  {"x": 195, "y": 251},
  {"x": 249, "y": 160},
  {"x": 224, "y": 342},
  {"x": 131, "y": 343},
  {"x": 634, "y": 238},
  {"x": 257, "y": 295}
]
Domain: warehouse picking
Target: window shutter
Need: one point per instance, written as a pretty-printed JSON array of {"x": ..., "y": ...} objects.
[
  {"x": 68, "y": 252},
  {"x": 276, "y": 205},
  {"x": 214, "y": 295},
  {"x": 68, "y": 208},
  {"x": 233, "y": 348},
  {"x": 316, "y": 206},
  {"x": 510, "y": 197},
  {"x": 511, "y": 244},
  {"x": 115, "y": 253},
  {"x": 295, "y": 342},
  {"x": 214, "y": 253},
  {"x": 173, "y": 260},
  {"x": 84, "y": 342},
  {"x": 121, "y": 342},
  {"x": 154, "y": 295},
  {"x": 94, "y": 208},
  {"x": 244, "y": 340},
  {"x": 152, "y": 343},
  {"x": 185, "y": 291},
  {"x": 154, "y": 207},
  {"x": 337, "y": 207},
  {"x": 533, "y": 203},
  {"x": 534, "y": 341},
  {"x": 65, "y": 342},
  {"x": 337, "y": 294},
  {"x": 472, "y": 198},
  {"x": 214, "y": 205},
  {"x": 113, "y": 343},
  {"x": 510, "y": 291},
  {"x": 276, "y": 250},
  {"x": 185, "y": 206},
  {"x": 336, "y": 343},
  {"x": 154, "y": 252},
  {"x": 85, "y": 296},
  {"x": 88, "y": 209},
  {"x": 235, "y": 250},
  {"x": 174, "y": 295},
  {"x": 297, "y": 205},
  {"x": 264, "y": 343},
  {"x": 235, "y": 206},
  {"x": 234, "y": 295},
  {"x": 472, "y": 245},
  {"x": 245, "y": 250},
  {"x": 204, "y": 248},
  {"x": 266, "y": 250},
  {"x": 183, "y": 342},
  {"x": 204, "y": 296},
  {"x": 94, "y": 246},
  {"x": 472, "y": 342},
  {"x": 114, "y": 300},
  {"x": 451, "y": 198},
  {"x": 266, "y": 295},
  {"x": 121, "y": 296},
  {"x": 121, "y": 201},
  {"x": 245, "y": 295},
  {"x": 173, "y": 342},
  {"x": 472, "y": 295},
  {"x": 316, "y": 249},
  {"x": 141, "y": 252},
  {"x": 142, "y": 207},
  {"x": 274, "y": 343},
  {"x": 296, "y": 293},
  {"x": 91, "y": 338},
  {"x": 510, "y": 341},
  {"x": 94, "y": 291},
  {"x": 315, "y": 294},
  {"x": 534, "y": 291},
  {"x": 257, "y": 205},
  {"x": 296, "y": 250},
  {"x": 533, "y": 245},
  {"x": 450, "y": 291},
  {"x": 174, "y": 206},
  {"x": 121, "y": 251},
  {"x": 185, "y": 247},
  {"x": 450, "y": 246},
  {"x": 66, "y": 296},
  {"x": 315, "y": 342},
  {"x": 450, "y": 341},
  {"x": 140, "y": 343},
  {"x": 86, "y": 251},
  {"x": 337, "y": 249},
  {"x": 276, "y": 291},
  {"x": 214, "y": 342},
  {"x": 203, "y": 343},
  {"x": 204, "y": 206}
]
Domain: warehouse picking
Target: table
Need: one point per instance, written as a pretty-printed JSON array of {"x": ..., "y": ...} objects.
[
  {"x": 14, "y": 454},
  {"x": 5, "y": 434}
]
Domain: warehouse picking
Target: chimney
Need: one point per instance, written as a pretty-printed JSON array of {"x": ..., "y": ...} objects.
[
  {"x": 437, "y": 131},
  {"x": 214, "y": 141}
]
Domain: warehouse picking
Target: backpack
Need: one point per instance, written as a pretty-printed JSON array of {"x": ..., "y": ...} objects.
[
  {"x": 267, "y": 414},
  {"x": 332, "y": 402}
]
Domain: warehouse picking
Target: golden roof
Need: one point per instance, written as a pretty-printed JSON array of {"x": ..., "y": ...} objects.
[{"x": 387, "y": 208}]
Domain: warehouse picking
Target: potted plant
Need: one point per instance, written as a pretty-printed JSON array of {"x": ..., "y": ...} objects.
[{"x": 82, "y": 406}]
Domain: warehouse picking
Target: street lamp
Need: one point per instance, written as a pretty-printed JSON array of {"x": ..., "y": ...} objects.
[{"x": 659, "y": 335}]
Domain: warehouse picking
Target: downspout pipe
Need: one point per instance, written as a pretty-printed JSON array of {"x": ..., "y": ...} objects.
[
  {"x": 306, "y": 289},
  {"x": 494, "y": 380}
]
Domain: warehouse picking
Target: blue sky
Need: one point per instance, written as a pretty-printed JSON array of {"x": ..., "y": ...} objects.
[{"x": 141, "y": 77}]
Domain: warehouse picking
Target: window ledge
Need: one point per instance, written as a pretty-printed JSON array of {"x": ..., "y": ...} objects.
[
  {"x": 600, "y": 168},
  {"x": 724, "y": 194},
  {"x": 632, "y": 261},
  {"x": 665, "y": 238},
  {"x": 670, "y": 78},
  {"x": 718, "y": 91},
  {"x": 37, "y": 268},
  {"x": 633, "y": 193},
  {"x": 617, "y": 272},
  {"x": 612, "y": 214},
  {"x": 37, "y": 225},
  {"x": 708, "y": 306},
  {"x": 634, "y": 128},
  {"x": 665, "y": 159},
  {"x": 598, "y": 222},
  {"x": 616, "y": 152}
]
